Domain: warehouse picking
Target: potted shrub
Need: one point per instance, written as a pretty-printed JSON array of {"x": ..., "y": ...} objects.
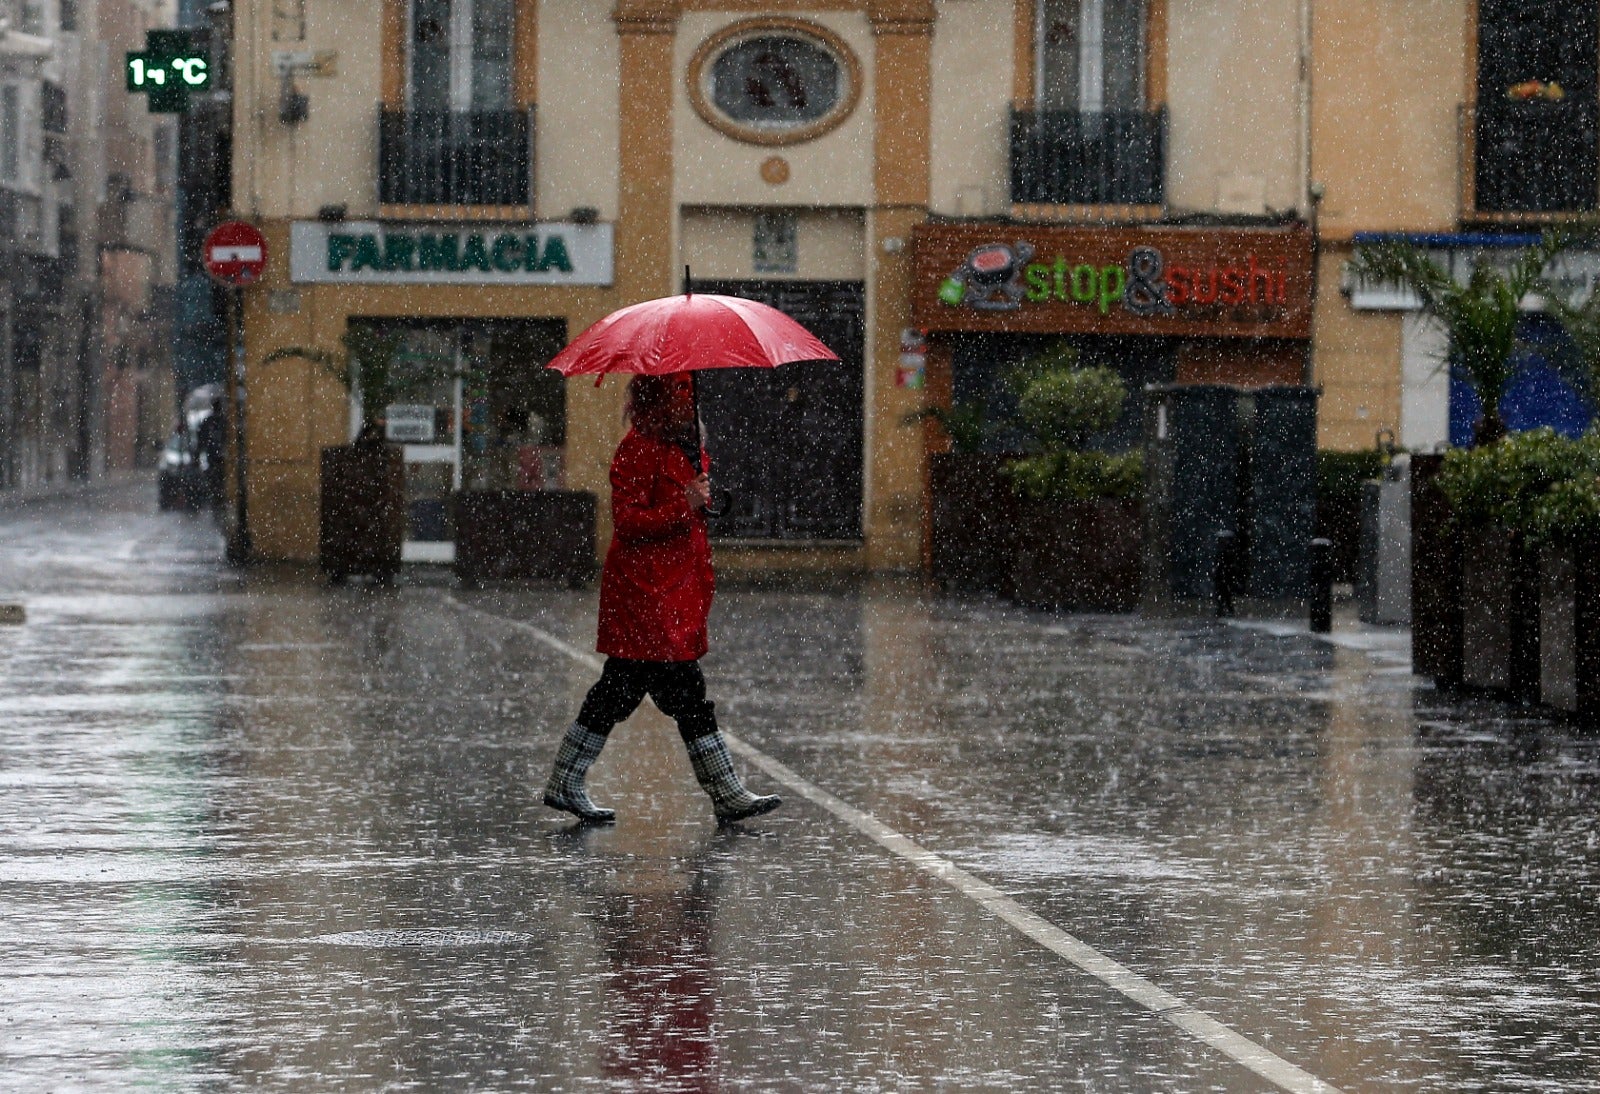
[
  {"x": 1493, "y": 490},
  {"x": 1566, "y": 533},
  {"x": 362, "y": 522},
  {"x": 972, "y": 507},
  {"x": 521, "y": 534},
  {"x": 1079, "y": 524}
]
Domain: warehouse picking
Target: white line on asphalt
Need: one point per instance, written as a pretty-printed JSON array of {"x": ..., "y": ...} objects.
[{"x": 1119, "y": 978}]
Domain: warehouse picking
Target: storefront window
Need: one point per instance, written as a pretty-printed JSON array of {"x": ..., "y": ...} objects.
[
  {"x": 515, "y": 411},
  {"x": 476, "y": 409}
]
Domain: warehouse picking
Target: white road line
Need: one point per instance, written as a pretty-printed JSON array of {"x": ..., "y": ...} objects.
[{"x": 1119, "y": 978}]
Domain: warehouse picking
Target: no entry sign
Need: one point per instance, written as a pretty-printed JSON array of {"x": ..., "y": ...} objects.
[{"x": 235, "y": 253}]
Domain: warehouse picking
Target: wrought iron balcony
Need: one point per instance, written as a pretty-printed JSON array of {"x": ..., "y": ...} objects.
[
  {"x": 1069, "y": 157},
  {"x": 455, "y": 158},
  {"x": 1536, "y": 157}
]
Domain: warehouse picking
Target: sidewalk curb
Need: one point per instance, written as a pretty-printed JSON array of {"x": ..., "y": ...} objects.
[
  {"x": 51, "y": 491},
  {"x": 1383, "y": 645}
]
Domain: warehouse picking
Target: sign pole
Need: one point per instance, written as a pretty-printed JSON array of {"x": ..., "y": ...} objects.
[
  {"x": 235, "y": 255},
  {"x": 239, "y": 546}
]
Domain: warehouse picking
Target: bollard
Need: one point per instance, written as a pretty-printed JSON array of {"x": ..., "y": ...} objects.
[
  {"x": 1321, "y": 604},
  {"x": 1222, "y": 573}
]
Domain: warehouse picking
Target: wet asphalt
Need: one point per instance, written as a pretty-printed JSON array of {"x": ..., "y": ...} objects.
[{"x": 260, "y": 833}]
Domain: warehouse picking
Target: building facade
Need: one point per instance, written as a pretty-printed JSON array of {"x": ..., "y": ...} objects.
[
  {"x": 86, "y": 245},
  {"x": 937, "y": 187},
  {"x": 1468, "y": 127},
  {"x": 485, "y": 179}
]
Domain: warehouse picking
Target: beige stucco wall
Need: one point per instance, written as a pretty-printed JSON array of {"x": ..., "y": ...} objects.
[
  {"x": 1234, "y": 122},
  {"x": 712, "y": 168},
  {"x": 1389, "y": 81},
  {"x": 1356, "y": 362},
  {"x": 331, "y": 158},
  {"x": 719, "y": 243},
  {"x": 578, "y": 120},
  {"x": 973, "y": 51}
]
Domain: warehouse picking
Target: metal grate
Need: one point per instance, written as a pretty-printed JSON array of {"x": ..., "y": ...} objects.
[
  {"x": 1536, "y": 157},
  {"x": 1070, "y": 157},
  {"x": 455, "y": 158}
]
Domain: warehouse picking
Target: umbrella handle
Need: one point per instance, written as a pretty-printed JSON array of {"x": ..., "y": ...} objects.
[
  {"x": 694, "y": 397},
  {"x": 722, "y": 501}
]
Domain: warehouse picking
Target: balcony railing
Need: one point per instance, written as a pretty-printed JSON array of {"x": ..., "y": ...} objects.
[
  {"x": 1531, "y": 158},
  {"x": 455, "y": 158},
  {"x": 1068, "y": 157}
]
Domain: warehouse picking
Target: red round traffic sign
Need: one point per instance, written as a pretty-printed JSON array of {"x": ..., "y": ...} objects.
[{"x": 235, "y": 253}]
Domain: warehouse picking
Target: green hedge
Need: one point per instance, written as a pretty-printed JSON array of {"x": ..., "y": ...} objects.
[
  {"x": 1538, "y": 484},
  {"x": 1340, "y": 474}
]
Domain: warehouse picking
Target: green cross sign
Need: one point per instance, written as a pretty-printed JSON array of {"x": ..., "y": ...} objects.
[{"x": 167, "y": 71}]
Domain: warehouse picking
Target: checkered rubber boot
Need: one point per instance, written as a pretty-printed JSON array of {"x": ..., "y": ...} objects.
[
  {"x": 579, "y": 749},
  {"x": 713, "y": 766}
]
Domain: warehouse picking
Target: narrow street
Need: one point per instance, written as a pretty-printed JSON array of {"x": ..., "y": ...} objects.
[{"x": 260, "y": 833}]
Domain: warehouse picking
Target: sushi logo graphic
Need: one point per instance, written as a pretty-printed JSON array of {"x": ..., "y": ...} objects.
[{"x": 990, "y": 279}]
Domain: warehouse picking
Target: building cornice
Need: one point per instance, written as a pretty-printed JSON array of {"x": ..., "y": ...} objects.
[
  {"x": 901, "y": 17},
  {"x": 646, "y": 16}
]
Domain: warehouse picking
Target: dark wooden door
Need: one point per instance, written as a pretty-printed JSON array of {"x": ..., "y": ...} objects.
[
  {"x": 1538, "y": 144},
  {"x": 788, "y": 441}
]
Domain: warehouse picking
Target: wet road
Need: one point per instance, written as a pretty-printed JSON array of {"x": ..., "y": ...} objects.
[{"x": 260, "y": 833}]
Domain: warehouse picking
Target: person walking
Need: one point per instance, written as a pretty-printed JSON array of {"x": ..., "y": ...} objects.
[{"x": 655, "y": 593}]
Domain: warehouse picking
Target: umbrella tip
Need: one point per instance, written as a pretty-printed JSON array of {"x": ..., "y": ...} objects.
[{"x": 688, "y": 281}]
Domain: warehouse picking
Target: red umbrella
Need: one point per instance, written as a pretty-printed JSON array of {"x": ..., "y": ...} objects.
[
  {"x": 690, "y": 332},
  {"x": 687, "y": 333}
]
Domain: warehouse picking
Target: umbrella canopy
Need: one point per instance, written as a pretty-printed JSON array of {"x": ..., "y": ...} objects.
[{"x": 689, "y": 332}]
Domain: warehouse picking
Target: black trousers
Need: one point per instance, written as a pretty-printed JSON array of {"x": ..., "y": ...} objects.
[{"x": 677, "y": 687}]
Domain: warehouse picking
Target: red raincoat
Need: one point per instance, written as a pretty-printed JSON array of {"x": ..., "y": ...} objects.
[{"x": 656, "y": 585}]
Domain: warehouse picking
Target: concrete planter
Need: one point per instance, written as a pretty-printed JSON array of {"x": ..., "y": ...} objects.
[
  {"x": 363, "y": 517},
  {"x": 1499, "y": 613},
  {"x": 1569, "y": 629},
  {"x": 974, "y": 512},
  {"x": 547, "y": 534},
  {"x": 1078, "y": 555},
  {"x": 1435, "y": 578}
]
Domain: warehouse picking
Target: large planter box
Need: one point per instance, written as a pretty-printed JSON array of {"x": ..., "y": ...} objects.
[
  {"x": 1499, "y": 613},
  {"x": 1435, "y": 577},
  {"x": 1569, "y": 629},
  {"x": 363, "y": 518},
  {"x": 1078, "y": 556},
  {"x": 548, "y": 534},
  {"x": 973, "y": 515}
]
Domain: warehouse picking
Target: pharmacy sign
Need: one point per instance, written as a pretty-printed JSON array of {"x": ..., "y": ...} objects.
[{"x": 372, "y": 253}]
